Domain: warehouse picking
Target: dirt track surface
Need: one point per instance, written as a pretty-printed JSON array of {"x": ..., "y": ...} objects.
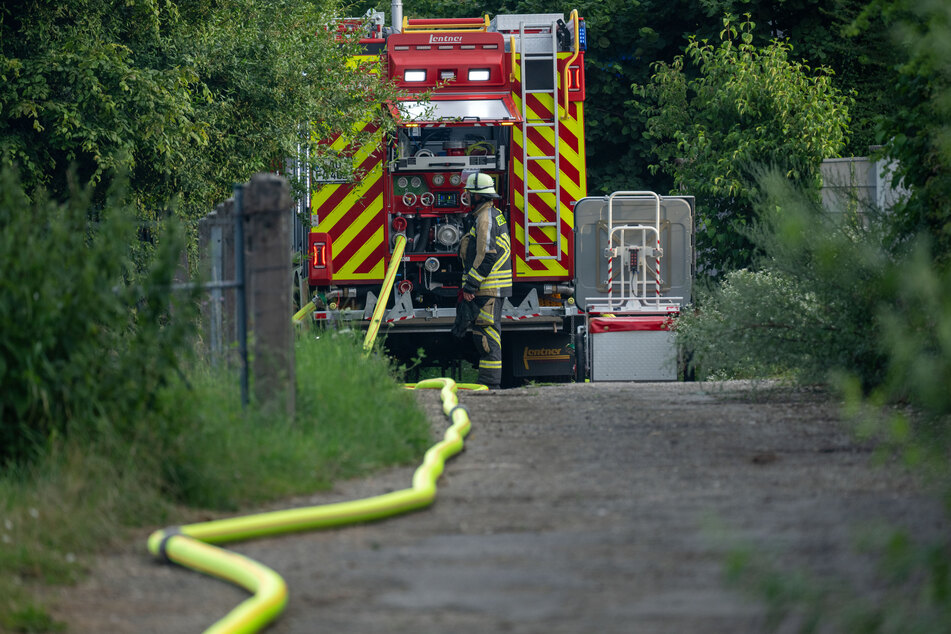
[{"x": 583, "y": 508}]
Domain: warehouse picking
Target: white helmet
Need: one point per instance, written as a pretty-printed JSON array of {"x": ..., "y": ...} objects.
[{"x": 481, "y": 184}]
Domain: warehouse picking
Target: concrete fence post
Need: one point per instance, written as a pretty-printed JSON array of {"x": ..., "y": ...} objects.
[{"x": 267, "y": 207}]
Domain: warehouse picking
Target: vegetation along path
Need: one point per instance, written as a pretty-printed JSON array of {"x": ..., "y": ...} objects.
[{"x": 608, "y": 507}]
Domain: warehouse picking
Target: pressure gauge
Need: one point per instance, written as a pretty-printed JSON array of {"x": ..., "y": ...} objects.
[
  {"x": 416, "y": 182},
  {"x": 402, "y": 182},
  {"x": 455, "y": 179},
  {"x": 438, "y": 179}
]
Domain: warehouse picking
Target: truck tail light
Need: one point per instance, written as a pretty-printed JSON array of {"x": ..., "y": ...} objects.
[{"x": 319, "y": 259}]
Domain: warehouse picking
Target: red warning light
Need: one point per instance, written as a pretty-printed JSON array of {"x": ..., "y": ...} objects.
[{"x": 320, "y": 259}]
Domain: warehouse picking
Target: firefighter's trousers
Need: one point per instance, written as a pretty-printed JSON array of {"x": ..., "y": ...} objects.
[{"x": 487, "y": 335}]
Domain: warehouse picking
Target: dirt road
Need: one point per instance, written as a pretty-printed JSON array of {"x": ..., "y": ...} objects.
[{"x": 576, "y": 508}]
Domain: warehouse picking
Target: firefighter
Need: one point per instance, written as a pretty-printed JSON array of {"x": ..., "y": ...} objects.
[{"x": 487, "y": 276}]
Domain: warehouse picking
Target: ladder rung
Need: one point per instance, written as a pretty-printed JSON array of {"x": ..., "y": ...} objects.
[{"x": 541, "y": 48}]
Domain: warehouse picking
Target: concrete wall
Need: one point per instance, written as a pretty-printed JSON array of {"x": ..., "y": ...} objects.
[{"x": 858, "y": 183}]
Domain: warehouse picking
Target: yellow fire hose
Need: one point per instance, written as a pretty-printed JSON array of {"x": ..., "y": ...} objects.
[
  {"x": 190, "y": 545},
  {"x": 300, "y": 315},
  {"x": 571, "y": 60},
  {"x": 395, "y": 260}
]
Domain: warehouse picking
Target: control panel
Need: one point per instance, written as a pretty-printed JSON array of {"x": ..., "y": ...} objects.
[{"x": 438, "y": 192}]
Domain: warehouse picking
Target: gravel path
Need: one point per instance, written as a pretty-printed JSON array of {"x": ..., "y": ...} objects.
[{"x": 601, "y": 508}]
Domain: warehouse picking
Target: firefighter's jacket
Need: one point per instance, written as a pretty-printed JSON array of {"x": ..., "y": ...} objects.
[{"x": 486, "y": 253}]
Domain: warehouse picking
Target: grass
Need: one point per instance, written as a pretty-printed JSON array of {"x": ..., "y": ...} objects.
[{"x": 84, "y": 496}]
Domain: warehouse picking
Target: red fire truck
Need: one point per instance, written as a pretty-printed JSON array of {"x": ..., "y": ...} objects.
[{"x": 507, "y": 99}]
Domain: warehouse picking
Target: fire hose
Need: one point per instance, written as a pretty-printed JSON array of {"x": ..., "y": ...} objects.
[
  {"x": 192, "y": 545},
  {"x": 303, "y": 313},
  {"x": 395, "y": 260}
]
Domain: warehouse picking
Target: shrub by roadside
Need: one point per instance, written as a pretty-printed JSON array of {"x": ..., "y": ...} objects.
[
  {"x": 207, "y": 454},
  {"x": 109, "y": 424}
]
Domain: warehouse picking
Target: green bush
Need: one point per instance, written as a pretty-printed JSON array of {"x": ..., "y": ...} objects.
[
  {"x": 87, "y": 340},
  {"x": 812, "y": 306},
  {"x": 197, "y": 451},
  {"x": 916, "y": 335},
  {"x": 832, "y": 304}
]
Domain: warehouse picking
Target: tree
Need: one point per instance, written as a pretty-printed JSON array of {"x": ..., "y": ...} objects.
[
  {"x": 917, "y": 132},
  {"x": 821, "y": 32},
  {"x": 866, "y": 299},
  {"x": 866, "y": 308},
  {"x": 628, "y": 38},
  {"x": 188, "y": 96},
  {"x": 747, "y": 106}
]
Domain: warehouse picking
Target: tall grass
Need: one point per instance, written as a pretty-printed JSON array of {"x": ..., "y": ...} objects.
[
  {"x": 204, "y": 453},
  {"x": 352, "y": 417}
]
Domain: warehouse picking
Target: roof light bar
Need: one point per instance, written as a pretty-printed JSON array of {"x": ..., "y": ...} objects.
[
  {"x": 414, "y": 75},
  {"x": 478, "y": 74}
]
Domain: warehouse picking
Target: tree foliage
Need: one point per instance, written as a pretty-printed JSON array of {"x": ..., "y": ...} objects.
[
  {"x": 821, "y": 33},
  {"x": 873, "y": 290},
  {"x": 628, "y": 39},
  {"x": 746, "y": 106},
  {"x": 189, "y": 96},
  {"x": 917, "y": 132}
]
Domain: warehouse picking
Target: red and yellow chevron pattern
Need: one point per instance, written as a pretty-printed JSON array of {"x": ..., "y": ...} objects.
[
  {"x": 352, "y": 214},
  {"x": 540, "y": 207}
]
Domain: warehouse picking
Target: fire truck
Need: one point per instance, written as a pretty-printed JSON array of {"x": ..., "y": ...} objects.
[{"x": 596, "y": 279}]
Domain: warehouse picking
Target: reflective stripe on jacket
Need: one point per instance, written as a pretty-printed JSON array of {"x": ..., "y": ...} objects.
[{"x": 486, "y": 253}]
